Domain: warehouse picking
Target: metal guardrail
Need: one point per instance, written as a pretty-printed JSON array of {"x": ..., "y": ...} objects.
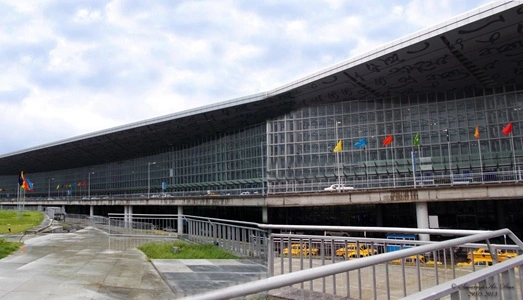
[
  {"x": 435, "y": 273},
  {"x": 378, "y": 276}
]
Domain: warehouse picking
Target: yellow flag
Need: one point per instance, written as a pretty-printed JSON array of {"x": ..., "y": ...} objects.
[
  {"x": 339, "y": 147},
  {"x": 476, "y": 133}
]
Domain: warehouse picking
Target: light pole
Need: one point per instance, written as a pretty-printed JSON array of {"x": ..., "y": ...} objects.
[
  {"x": 149, "y": 178},
  {"x": 49, "y": 189},
  {"x": 338, "y": 157},
  {"x": 89, "y": 185}
]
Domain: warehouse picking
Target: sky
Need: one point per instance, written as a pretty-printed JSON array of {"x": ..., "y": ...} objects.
[{"x": 69, "y": 68}]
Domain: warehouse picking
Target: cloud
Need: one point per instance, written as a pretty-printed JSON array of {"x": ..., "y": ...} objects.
[{"x": 75, "y": 67}]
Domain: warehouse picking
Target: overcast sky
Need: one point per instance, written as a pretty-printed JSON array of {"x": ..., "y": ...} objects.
[{"x": 69, "y": 68}]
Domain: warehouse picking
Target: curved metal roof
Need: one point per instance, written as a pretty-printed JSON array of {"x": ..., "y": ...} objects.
[{"x": 480, "y": 49}]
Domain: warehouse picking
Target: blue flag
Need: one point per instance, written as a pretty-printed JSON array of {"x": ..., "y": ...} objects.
[{"x": 361, "y": 143}]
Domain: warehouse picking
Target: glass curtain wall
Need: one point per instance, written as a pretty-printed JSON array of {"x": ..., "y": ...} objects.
[
  {"x": 446, "y": 150},
  {"x": 226, "y": 164}
]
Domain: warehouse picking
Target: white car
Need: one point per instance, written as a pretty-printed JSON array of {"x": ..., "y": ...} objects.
[
  {"x": 336, "y": 187},
  {"x": 245, "y": 193}
]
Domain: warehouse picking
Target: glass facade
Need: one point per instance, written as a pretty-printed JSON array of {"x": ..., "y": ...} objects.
[
  {"x": 301, "y": 143},
  {"x": 294, "y": 153}
]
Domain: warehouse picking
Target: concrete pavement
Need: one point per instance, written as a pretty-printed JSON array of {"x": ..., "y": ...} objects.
[{"x": 87, "y": 264}]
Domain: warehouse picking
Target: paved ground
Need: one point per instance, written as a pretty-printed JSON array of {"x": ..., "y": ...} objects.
[{"x": 86, "y": 264}]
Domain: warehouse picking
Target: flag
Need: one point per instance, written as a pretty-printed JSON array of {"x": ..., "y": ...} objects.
[
  {"x": 416, "y": 139},
  {"x": 338, "y": 147},
  {"x": 476, "y": 133},
  {"x": 21, "y": 179},
  {"x": 28, "y": 185},
  {"x": 507, "y": 129},
  {"x": 361, "y": 143},
  {"x": 387, "y": 140}
]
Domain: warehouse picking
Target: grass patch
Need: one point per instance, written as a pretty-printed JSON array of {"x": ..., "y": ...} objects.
[
  {"x": 19, "y": 221},
  {"x": 157, "y": 250},
  {"x": 7, "y": 248}
]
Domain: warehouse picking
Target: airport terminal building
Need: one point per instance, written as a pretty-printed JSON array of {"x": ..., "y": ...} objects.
[{"x": 441, "y": 107}]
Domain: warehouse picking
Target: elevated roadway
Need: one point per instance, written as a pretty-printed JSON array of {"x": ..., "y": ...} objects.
[{"x": 473, "y": 192}]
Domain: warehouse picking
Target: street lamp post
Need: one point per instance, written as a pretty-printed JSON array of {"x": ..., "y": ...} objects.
[
  {"x": 149, "y": 178},
  {"x": 49, "y": 189},
  {"x": 89, "y": 185},
  {"x": 338, "y": 158}
]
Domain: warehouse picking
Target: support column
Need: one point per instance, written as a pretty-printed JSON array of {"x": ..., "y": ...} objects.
[
  {"x": 500, "y": 209},
  {"x": 91, "y": 210},
  {"x": 379, "y": 215},
  {"x": 179, "y": 228},
  {"x": 130, "y": 215},
  {"x": 265, "y": 215},
  {"x": 125, "y": 216},
  {"x": 422, "y": 216}
]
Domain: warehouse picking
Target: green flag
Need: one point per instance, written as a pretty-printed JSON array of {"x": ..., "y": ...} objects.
[{"x": 416, "y": 139}]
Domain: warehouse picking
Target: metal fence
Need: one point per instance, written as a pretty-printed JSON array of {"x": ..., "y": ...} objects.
[
  {"x": 348, "y": 262},
  {"x": 314, "y": 265}
]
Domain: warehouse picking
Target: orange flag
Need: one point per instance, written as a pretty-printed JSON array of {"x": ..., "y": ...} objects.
[
  {"x": 387, "y": 140},
  {"x": 476, "y": 133}
]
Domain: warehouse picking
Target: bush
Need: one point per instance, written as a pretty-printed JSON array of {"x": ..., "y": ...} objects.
[
  {"x": 7, "y": 248},
  {"x": 158, "y": 250}
]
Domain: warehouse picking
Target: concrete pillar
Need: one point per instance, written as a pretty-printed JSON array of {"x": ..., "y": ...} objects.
[
  {"x": 265, "y": 215},
  {"x": 125, "y": 217},
  {"x": 63, "y": 208},
  {"x": 422, "y": 216},
  {"x": 180, "y": 220},
  {"x": 91, "y": 210},
  {"x": 500, "y": 210},
  {"x": 379, "y": 215},
  {"x": 130, "y": 214}
]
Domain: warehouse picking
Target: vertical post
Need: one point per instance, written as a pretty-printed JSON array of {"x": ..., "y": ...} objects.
[
  {"x": 338, "y": 158},
  {"x": 149, "y": 178},
  {"x": 513, "y": 156},
  {"x": 49, "y": 189},
  {"x": 412, "y": 155},
  {"x": 89, "y": 185},
  {"x": 480, "y": 160},
  {"x": 393, "y": 167},
  {"x": 262, "y": 169},
  {"x": 450, "y": 158}
]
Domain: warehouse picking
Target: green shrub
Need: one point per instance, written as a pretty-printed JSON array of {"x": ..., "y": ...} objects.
[
  {"x": 7, "y": 248},
  {"x": 159, "y": 250}
]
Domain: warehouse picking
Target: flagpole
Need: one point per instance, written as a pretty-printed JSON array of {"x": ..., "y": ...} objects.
[
  {"x": 420, "y": 164},
  {"x": 480, "y": 160},
  {"x": 513, "y": 155},
  {"x": 366, "y": 169},
  {"x": 413, "y": 166},
  {"x": 393, "y": 171},
  {"x": 450, "y": 160}
]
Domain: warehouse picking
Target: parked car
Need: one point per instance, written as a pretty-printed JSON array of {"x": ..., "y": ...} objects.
[
  {"x": 296, "y": 249},
  {"x": 351, "y": 250},
  {"x": 483, "y": 253},
  {"x": 245, "y": 193},
  {"x": 336, "y": 187},
  {"x": 478, "y": 262},
  {"x": 411, "y": 260}
]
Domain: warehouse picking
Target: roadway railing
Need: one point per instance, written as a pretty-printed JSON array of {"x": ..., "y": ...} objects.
[
  {"x": 310, "y": 264},
  {"x": 297, "y": 185}
]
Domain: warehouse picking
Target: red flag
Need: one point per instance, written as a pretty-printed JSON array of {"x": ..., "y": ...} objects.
[
  {"x": 387, "y": 140},
  {"x": 507, "y": 129}
]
